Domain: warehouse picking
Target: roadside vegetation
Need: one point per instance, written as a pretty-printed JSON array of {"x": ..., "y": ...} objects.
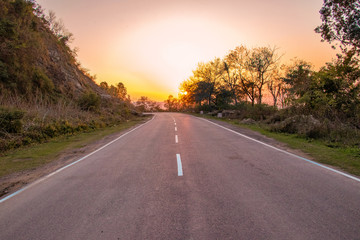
[
  {"x": 28, "y": 158},
  {"x": 144, "y": 104},
  {"x": 320, "y": 109},
  {"x": 346, "y": 158}
]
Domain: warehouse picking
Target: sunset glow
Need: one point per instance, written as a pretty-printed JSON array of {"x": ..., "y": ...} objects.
[{"x": 152, "y": 46}]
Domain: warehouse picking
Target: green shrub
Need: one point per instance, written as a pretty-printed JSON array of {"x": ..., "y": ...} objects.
[
  {"x": 50, "y": 130},
  {"x": 257, "y": 112},
  {"x": 11, "y": 120},
  {"x": 205, "y": 108},
  {"x": 26, "y": 141},
  {"x": 66, "y": 128},
  {"x": 81, "y": 127},
  {"x": 7, "y": 28},
  {"x": 4, "y": 75},
  {"x": 3, "y": 145},
  {"x": 89, "y": 101},
  {"x": 42, "y": 81},
  {"x": 260, "y": 112},
  {"x": 35, "y": 135},
  {"x": 303, "y": 125}
]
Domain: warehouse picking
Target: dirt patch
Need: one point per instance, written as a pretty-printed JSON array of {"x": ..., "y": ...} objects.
[{"x": 15, "y": 181}]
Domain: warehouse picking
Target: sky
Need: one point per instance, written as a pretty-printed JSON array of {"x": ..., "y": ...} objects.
[{"x": 153, "y": 45}]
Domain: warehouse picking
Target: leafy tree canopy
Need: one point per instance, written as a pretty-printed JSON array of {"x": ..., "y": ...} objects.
[{"x": 341, "y": 22}]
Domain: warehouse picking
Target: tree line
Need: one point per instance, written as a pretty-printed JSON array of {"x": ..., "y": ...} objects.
[
  {"x": 245, "y": 75},
  {"x": 241, "y": 75}
]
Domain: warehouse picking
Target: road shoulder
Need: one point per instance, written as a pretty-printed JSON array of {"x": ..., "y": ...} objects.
[
  {"x": 17, "y": 180},
  {"x": 260, "y": 137}
]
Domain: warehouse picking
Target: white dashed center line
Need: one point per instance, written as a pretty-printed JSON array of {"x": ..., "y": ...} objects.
[
  {"x": 178, "y": 158},
  {"x": 180, "y": 171}
]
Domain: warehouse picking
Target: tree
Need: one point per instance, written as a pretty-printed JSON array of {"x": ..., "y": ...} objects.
[
  {"x": 204, "y": 91},
  {"x": 283, "y": 96},
  {"x": 339, "y": 81},
  {"x": 239, "y": 59},
  {"x": 261, "y": 62},
  {"x": 187, "y": 88},
  {"x": 254, "y": 68},
  {"x": 248, "y": 85},
  {"x": 299, "y": 78},
  {"x": 275, "y": 86},
  {"x": 58, "y": 28},
  {"x": 121, "y": 91},
  {"x": 153, "y": 106},
  {"x": 171, "y": 104},
  {"x": 141, "y": 104},
  {"x": 332, "y": 93},
  {"x": 223, "y": 97},
  {"x": 341, "y": 23},
  {"x": 113, "y": 91},
  {"x": 144, "y": 104},
  {"x": 208, "y": 75},
  {"x": 231, "y": 78},
  {"x": 104, "y": 85}
]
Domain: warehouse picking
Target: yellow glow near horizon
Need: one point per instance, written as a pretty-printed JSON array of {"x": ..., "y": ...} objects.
[
  {"x": 153, "y": 46},
  {"x": 170, "y": 49}
]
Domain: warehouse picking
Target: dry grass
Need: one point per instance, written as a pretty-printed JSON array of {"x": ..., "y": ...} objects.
[{"x": 44, "y": 119}]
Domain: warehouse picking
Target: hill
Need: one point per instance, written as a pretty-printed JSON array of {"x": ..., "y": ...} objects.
[
  {"x": 44, "y": 91},
  {"x": 35, "y": 57}
]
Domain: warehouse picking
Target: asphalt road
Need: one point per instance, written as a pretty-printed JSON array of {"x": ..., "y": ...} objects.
[{"x": 231, "y": 188}]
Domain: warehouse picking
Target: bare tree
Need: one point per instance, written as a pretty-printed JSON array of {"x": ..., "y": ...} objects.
[
  {"x": 275, "y": 86},
  {"x": 239, "y": 58},
  {"x": 283, "y": 96},
  {"x": 262, "y": 62},
  {"x": 58, "y": 28}
]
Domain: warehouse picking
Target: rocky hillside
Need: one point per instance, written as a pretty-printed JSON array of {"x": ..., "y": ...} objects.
[
  {"x": 33, "y": 58},
  {"x": 44, "y": 92}
]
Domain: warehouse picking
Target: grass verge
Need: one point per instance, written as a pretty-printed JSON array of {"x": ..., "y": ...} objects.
[
  {"x": 36, "y": 155},
  {"x": 345, "y": 158}
]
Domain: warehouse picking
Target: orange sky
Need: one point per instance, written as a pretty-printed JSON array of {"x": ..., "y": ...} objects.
[{"x": 153, "y": 45}]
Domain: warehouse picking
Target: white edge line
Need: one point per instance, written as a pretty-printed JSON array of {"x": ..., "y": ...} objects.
[
  {"x": 179, "y": 165},
  {"x": 71, "y": 164},
  {"x": 176, "y": 139},
  {"x": 283, "y": 151}
]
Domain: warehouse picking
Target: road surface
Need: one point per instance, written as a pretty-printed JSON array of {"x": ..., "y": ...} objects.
[{"x": 181, "y": 177}]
